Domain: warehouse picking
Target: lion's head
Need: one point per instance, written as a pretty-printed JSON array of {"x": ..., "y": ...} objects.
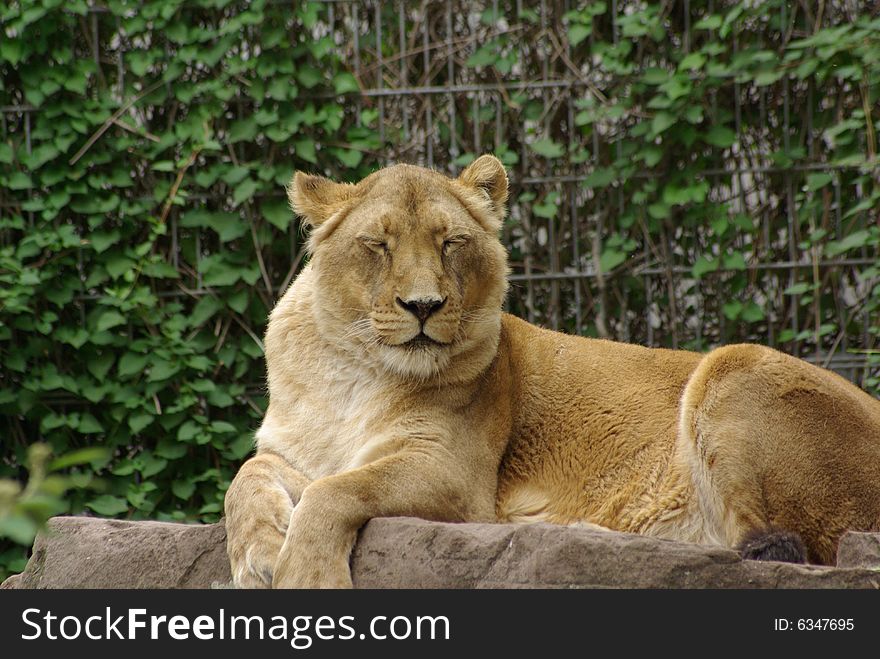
[{"x": 409, "y": 271}]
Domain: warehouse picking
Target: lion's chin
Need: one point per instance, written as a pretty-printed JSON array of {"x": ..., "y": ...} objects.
[{"x": 421, "y": 358}]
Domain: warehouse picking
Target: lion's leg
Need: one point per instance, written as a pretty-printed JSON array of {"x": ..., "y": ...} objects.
[
  {"x": 421, "y": 482},
  {"x": 258, "y": 506},
  {"x": 780, "y": 451}
]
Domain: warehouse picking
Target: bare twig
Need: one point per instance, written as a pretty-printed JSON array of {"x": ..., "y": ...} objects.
[
  {"x": 459, "y": 43},
  {"x": 253, "y": 405},
  {"x": 601, "y": 315},
  {"x": 560, "y": 51},
  {"x": 293, "y": 268},
  {"x": 870, "y": 135},
  {"x": 133, "y": 129},
  {"x": 110, "y": 121},
  {"x": 249, "y": 331},
  {"x": 259, "y": 252},
  {"x": 172, "y": 193},
  {"x": 222, "y": 339}
]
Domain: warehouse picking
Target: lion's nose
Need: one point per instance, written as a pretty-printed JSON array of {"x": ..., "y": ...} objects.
[{"x": 422, "y": 307}]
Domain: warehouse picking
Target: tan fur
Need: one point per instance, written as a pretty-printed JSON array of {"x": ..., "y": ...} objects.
[{"x": 499, "y": 420}]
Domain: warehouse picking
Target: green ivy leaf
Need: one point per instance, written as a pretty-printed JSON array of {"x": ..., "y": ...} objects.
[
  {"x": 244, "y": 191},
  {"x": 577, "y": 32},
  {"x": 345, "y": 83},
  {"x": 350, "y": 158},
  {"x": 852, "y": 241},
  {"x": 752, "y": 313},
  {"x": 611, "y": 258},
  {"x": 118, "y": 264},
  {"x": 243, "y": 130},
  {"x": 229, "y": 226},
  {"x": 109, "y": 319},
  {"x": 305, "y": 149},
  {"x": 88, "y": 425},
  {"x": 239, "y": 300},
  {"x": 703, "y": 265},
  {"x": 162, "y": 369},
  {"x": 108, "y": 505},
  {"x": 547, "y": 148},
  {"x": 204, "y": 310},
  {"x": 734, "y": 261},
  {"x": 223, "y": 427},
  {"x": 188, "y": 431},
  {"x": 817, "y": 180},
  {"x": 309, "y": 76},
  {"x": 798, "y": 289},
  {"x": 711, "y": 22},
  {"x": 131, "y": 363},
  {"x": 19, "y": 181},
  {"x": 483, "y": 56},
  {"x": 11, "y": 50},
  {"x": 240, "y": 447},
  {"x": 277, "y": 212},
  {"x": 39, "y": 156},
  {"x": 662, "y": 121},
  {"x": 765, "y": 78},
  {"x": 169, "y": 449},
  {"x": 7, "y": 155},
  {"x": 732, "y": 309},
  {"x": 183, "y": 489},
  {"x": 102, "y": 240},
  {"x": 151, "y": 465},
  {"x": 692, "y": 62},
  {"x": 659, "y": 210},
  {"x": 139, "y": 420},
  {"x": 599, "y": 178},
  {"x": 720, "y": 136}
]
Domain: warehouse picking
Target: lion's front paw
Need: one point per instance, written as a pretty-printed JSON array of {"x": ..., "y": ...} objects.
[
  {"x": 252, "y": 558},
  {"x": 256, "y": 573},
  {"x": 315, "y": 573},
  {"x": 311, "y": 560}
]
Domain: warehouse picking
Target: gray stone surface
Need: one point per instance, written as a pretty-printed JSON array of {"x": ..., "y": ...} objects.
[
  {"x": 409, "y": 553},
  {"x": 859, "y": 550},
  {"x": 87, "y": 552},
  {"x": 412, "y": 553}
]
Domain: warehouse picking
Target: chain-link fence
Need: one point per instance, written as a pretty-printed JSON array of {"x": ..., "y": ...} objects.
[{"x": 455, "y": 81}]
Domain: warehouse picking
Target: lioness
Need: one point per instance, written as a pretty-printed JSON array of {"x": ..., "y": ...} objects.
[{"x": 398, "y": 387}]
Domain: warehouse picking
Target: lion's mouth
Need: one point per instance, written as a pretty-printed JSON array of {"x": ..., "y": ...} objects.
[{"x": 421, "y": 340}]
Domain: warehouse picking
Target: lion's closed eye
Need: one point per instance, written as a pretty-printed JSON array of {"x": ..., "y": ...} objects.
[
  {"x": 374, "y": 244},
  {"x": 452, "y": 243}
]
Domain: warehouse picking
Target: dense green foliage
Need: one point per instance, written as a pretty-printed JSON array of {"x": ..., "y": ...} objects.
[
  {"x": 24, "y": 510},
  {"x": 144, "y": 230}
]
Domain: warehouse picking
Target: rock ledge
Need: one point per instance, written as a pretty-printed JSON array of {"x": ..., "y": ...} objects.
[{"x": 82, "y": 552}]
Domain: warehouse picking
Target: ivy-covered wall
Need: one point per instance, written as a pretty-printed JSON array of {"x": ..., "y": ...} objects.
[{"x": 684, "y": 174}]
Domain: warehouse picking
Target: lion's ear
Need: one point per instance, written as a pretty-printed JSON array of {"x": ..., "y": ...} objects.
[
  {"x": 316, "y": 198},
  {"x": 487, "y": 175}
]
